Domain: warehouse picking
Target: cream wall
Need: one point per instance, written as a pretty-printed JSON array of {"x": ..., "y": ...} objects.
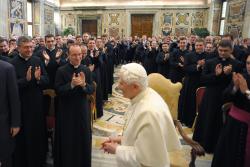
[{"x": 118, "y": 21}]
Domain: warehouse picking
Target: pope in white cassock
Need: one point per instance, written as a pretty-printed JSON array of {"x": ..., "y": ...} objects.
[{"x": 149, "y": 132}]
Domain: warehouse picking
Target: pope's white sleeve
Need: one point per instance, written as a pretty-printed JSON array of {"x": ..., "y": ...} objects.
[{"x": 126, "y": 156}]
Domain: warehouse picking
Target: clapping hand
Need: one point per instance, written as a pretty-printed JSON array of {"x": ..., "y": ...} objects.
[
  {"x": 201, "y": 62},
  {"x": 28, "y": 74},
  {"x": 182, "y": 59},
  {"x": 227, "y": 69},
  {"x": 38, "y": 73},
  {"x": 236, "y": 80},
  {"x": 218, "y": 69},
  {"x": 166, "y": 56},
  {"x": 242, "y": 84},
  {"x": 59, "y": 53},
  {"x": 46, "y": 56},
  {"x": 14, "y": 131},
  {"x": 78, "y": 80}
]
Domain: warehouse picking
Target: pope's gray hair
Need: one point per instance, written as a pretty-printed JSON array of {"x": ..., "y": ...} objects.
[{"x": 131, "y": 76}]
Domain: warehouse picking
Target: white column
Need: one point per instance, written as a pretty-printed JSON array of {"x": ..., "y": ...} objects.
[
  {"x": 210, "y": 16},
  {"x": 129, "y": 31},
  {"x": 214, "y": 17},
  {"x": 4, "y": 23},
  {"x": 246, "y": 25}
]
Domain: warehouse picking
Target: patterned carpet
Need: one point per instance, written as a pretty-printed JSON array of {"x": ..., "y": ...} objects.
[{"x": 112, "y": 124}]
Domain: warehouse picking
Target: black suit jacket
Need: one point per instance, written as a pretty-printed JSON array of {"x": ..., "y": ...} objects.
[{"x": 9, "y": 108}]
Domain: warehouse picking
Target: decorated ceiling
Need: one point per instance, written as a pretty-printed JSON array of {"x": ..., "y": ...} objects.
[{"x": 79, "y": 3}]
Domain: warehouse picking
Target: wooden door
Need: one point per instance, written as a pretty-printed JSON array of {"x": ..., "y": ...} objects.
[
  {"x": 89, "y": 26},
  {"x": 142, "y": 24}
]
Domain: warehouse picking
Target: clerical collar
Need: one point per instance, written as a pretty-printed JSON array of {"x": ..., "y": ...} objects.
[
  {"x": 139, "y": 96},
  {"x": 50, "y": 49},
  {"x": 222, "y": 58},
  {"x": 25, "y": 58},
  {"x": 75, "y": 67}
]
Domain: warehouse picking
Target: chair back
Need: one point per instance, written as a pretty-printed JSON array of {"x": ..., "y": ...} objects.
[
  {"x": 50, "y": 118},
  {"x": 199, "y": 95},
  {"x": 92, "y": 101},
  {"x": 169, "y": 91}
]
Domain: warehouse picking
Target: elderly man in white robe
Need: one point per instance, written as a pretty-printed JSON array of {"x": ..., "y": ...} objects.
[{"x": 149, "y": 132}]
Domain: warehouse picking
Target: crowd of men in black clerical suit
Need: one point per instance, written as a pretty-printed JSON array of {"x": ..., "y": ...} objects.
[{"x": 70, "y": 65}]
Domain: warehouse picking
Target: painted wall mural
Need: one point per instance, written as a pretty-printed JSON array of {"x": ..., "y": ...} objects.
[
  {"x": 113, "y": 17},
  {"x": 236, "y": 11},
  {"x": 197, "y": 19},
  {"x": 16, "y": 9},
  {"x": 182, "y": 18},
  {"x": 69, "y": 20},
  {"x": 17, "y": 17},
  {"x": 114, "y": 32},
  {"x": 235, "y": 30},
  {"x": 49, "y": 27},
  {"x": 181, "y": 31},
  {"x": 235, "y": 17},
  {"x": 167, "y": 24},
  {"x": 16, "y": 29}
]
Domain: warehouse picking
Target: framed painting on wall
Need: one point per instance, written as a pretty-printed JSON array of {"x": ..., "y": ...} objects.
[
  {"x": 16, "y": 29},
  {"x": 16, "y": 9}
]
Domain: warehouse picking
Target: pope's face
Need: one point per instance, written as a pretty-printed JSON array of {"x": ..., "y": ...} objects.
[{"x": 127, "y": 89}]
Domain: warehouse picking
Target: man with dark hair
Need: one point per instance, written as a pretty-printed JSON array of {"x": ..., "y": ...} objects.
[
  {"x": 216, "y": 76},
  {"x": 210, "y": 51},
  {"x": 238, "y": 53},
  {"x": 162, "y": 61},
  {"x": 176, "y": 61},
  {"x": 93, "y": 58},
  {"x": 233, "y": 147},
  {"x": 191, "y": 43},
  {"x": 79, "y": 39},
  {"x": 52, "y": 57},
  {"x": 73, "y": 126},
  {"x": 10, "y": 119},
  {"x": 4, "y": 48},
  {"x": 193, "y": 65},
  {"x": 31, "y": 79},
  {"x": 85, "y": 38}
]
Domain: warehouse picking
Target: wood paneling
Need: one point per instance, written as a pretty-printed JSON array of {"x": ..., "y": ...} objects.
[
  {"x": 142, "y": 24},
  {"x": 89, "y": 26}
]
